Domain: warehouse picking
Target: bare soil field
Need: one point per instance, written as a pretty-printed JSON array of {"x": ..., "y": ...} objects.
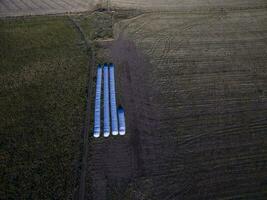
[
  {"x": 187, "y": 5},
  {"x": 42, "y": 7},
  {"x": 194, "y": 90}
]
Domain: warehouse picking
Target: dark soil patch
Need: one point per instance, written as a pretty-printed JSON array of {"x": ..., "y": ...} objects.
[{"x": 116, "y": 162}]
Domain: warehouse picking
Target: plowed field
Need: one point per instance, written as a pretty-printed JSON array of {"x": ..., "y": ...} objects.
[
  {"x": 194, "y": 90},
  {"x": 187, "y": 5},
  {"x": 41, "y": 7}
]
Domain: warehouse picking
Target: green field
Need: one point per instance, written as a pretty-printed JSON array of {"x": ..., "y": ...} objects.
[
  {"x": 44, "y": 64},
  {"x": 44, "y": 71}
]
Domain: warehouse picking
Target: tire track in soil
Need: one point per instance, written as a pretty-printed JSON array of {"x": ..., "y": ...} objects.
[
  {"x": 80, "y": 192},
  {"x": 11, "y": 6},
  {"x": 56, "y": 5},
  {"x": 43, "y": 5},
  {"x": 35, "y": 5},
  {"x": 80, "y": 3},
  {"x": 70, "y": 5},
  {"x": 169, "y": 39},
  {"x": 15, "y": 5},
  {"x": 4, "y": 5},
  {"x": 21, "y": 5},
  {"x": 116, "y": 162},
  {"x": 63, "y": 4},
  {"x": 46, "y": 5},
  {"x": 26, "y": 5}
]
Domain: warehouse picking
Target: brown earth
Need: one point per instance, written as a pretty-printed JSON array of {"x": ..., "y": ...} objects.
[
  {"x": 187, "y": 5},
  {"x": 43, "y": 7},
  {"x": 114, "y": 163},
  {"x": 194, "y": 90}
]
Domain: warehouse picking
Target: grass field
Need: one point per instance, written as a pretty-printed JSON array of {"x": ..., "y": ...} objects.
[
  {"x": 44, "y": 68},
  {"x": 44, "y": 72}
]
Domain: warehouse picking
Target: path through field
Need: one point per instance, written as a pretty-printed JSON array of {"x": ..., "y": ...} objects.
[{"x": 42, "y": 7}]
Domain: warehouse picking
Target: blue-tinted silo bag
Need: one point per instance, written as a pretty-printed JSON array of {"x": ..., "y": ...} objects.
[
  {"x": 122, "y": 126},
  {"x": 106, "y": 102},
  {"x": 113, "y": 104},
  {"x": 97, "y": 124}
]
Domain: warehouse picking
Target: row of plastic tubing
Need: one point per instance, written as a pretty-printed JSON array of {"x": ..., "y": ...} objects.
[{"x": 110, "y": 105}]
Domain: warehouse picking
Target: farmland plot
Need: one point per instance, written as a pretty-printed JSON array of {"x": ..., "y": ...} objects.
[
  {"x": 44, "y": 67},
  {"x": 187, "y": 5},
  {"x": 194, "y": 90},
  {"x": 41, "y": 7}
]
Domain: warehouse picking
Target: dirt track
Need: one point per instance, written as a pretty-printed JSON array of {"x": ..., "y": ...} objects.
[
  {"x": 115, "y": 162},
  {"x": 42, "y": 7},
  {"x": 194, "y": 90}
]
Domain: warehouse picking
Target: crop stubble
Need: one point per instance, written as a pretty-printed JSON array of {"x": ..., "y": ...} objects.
[
  {"x": 194, "y": 89},
  {"x": 187, "y": 5},
  {"x": 38, "y": 7}
]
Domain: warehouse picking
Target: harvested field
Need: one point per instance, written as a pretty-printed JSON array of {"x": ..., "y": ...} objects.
[
  {"x": 187, "y": 5},
  {"x": 42, "y": 7},
  {"x": 194, "y": 90}
]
